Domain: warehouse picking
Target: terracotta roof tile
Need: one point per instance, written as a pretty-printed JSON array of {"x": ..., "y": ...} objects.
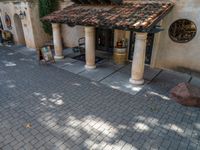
[{"x": 129, "y": 16}]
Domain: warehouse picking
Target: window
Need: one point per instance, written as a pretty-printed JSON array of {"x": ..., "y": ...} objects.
[{"x": 182, "y": 31}]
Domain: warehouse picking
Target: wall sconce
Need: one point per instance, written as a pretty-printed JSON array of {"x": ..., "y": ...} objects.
[{"x": 22, "y": 14}]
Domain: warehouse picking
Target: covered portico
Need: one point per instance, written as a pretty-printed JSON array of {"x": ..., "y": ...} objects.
[{"x": 140, "y": 17}]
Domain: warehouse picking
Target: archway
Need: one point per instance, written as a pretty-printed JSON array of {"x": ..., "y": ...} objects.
[{"x": 19, "y": 30}]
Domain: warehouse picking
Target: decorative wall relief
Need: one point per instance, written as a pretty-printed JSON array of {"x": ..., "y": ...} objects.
[
  {"x": 182, "y": 31},
  {"x": 8, "y": 21}
]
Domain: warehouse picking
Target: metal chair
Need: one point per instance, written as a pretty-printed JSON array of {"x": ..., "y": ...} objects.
[{"x": 81, "y": 46}]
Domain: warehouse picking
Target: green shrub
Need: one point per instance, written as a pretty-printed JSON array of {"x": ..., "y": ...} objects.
[{"x": 46, "y": 7}]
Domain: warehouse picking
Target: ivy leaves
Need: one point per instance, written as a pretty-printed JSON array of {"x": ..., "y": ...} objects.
[{"x": 46, "y": 7}]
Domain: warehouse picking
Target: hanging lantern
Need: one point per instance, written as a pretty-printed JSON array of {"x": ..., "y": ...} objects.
[{"x": 22, "y": 14}]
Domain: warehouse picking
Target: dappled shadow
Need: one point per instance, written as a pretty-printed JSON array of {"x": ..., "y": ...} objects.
[
  {"x": 9, "y": 63},
  {"x": 67, "y": 111},
  {"x": 149, "y": 120}
]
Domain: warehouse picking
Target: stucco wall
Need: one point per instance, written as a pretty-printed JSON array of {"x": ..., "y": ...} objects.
[
  {"x": 180, "y": 55},
  {"x": 70, "y": 35},
  {"x": 40, "y": 37},
  {"x": 32, "y": 27},
  {"x": 8, "y": 8},
  {"x": 14, "y": 8}
]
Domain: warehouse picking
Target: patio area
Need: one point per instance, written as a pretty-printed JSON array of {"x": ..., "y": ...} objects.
[
  {"x": 113, "y": 75},
  {"x": 44, "y": 107}
]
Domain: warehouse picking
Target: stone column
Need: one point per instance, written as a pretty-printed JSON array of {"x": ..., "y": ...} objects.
[
  {"x": 138, "y": 62},
  {"x": 90, "y": 47},
  {"x": 57, "y": 41}
]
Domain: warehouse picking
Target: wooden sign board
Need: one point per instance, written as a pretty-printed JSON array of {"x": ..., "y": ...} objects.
[{"x": 46, "y": 54}]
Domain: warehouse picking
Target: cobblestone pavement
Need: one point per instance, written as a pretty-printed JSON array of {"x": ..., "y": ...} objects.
[{"x": 46, "y": 108}]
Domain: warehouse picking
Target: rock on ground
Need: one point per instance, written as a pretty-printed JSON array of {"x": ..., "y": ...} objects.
[{"x": 186, "y": 94}]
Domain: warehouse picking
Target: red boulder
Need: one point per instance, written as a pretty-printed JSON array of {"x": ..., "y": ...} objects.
[{"x": 186, "y": 94}]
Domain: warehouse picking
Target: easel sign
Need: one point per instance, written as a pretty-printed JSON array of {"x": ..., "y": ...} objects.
[{"x": 45, "y": 54}]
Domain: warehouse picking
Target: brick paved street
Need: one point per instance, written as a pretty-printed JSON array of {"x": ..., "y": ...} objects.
[{"x": 46, "y": 108}]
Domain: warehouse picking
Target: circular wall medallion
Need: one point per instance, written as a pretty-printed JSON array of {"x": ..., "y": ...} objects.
[
  {"x": 8, "y": 21},
  {"x": 182, "y": 31}
]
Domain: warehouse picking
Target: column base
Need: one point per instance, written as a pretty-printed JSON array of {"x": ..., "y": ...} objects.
[
  {"x": 90, "y": 67},
  {"x": 58, "y": 57},
  {"x": 137, "y": 82}
]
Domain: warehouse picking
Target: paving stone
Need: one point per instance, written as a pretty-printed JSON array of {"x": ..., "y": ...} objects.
[
  {"x": 76, "y": 67},
  {"x": 172, "y": 77},
  {"x": 102, "y": 71},
  {"x": 195, "y": 81},
  {"x": 68, "y": 52},
  {"x": 120, "y": 81},
  {"x": 64, "y": 62},
  {"x": 149, "y": 73},
  {"x": 67, "y": 111}
]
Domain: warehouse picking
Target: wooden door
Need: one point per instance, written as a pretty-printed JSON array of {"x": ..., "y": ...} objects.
[{"x": 104, "y": 39}]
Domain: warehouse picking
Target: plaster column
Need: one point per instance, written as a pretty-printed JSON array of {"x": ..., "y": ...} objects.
[
  {"x": 138, "y": 62},
  {"x": 90, "y": 47},
  {"x": 57, "y": 41}
]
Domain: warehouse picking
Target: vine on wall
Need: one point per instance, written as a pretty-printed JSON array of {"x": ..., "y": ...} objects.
[{"x": 46, "y": 7}]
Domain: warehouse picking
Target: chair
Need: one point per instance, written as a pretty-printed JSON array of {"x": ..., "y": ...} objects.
[
  {"x": 7, "y": 36},
  {"x": 81, "y": 45}
]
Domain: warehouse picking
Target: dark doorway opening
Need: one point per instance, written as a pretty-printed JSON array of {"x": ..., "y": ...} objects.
[
  {"x": 150, "y": 40},
  {"x": 1, "y": 27},
  {"x": 1, "y": 24},
  {"x": 105, "y": 40}
]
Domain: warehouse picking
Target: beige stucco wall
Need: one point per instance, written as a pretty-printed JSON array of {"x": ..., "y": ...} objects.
[
  {"x": 10, "y": 9},
  {"x": 166, "y": 53},
  {"x": 174, "y": 55},
  {"x": 70, "y": 35},
  {"x": 40, "y": 37},
  {"x": 32, "y": 27}
]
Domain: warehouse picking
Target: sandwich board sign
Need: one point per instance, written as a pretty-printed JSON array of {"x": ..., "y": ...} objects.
[{"x": 45, "y": 53}]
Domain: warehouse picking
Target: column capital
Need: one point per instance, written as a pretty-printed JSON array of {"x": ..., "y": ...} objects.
[
  {"x": 89, "y": 28},
  {"x": 141, "y": 35},
  {"x": 55, "y": 25}
]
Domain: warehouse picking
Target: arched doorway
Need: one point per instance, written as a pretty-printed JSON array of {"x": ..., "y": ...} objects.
[{"x": 19, "y": 30}]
